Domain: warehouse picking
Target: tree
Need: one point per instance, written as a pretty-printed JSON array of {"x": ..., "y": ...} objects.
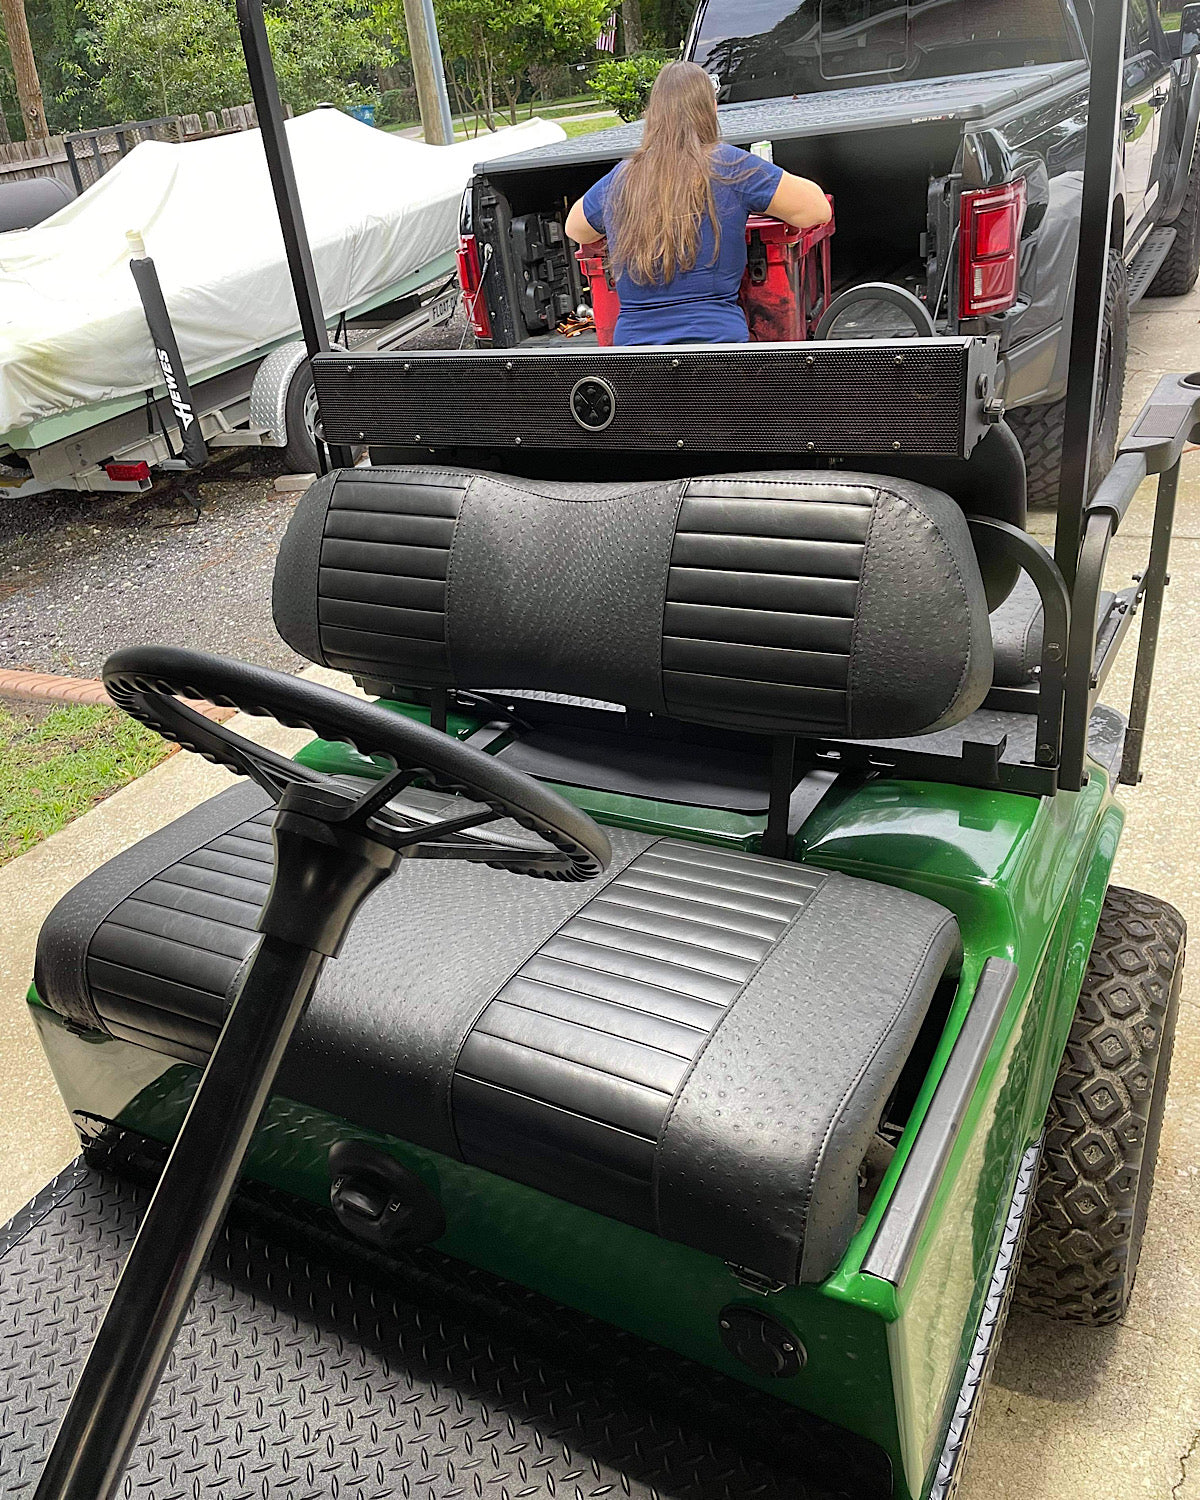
[
  {"x": 24, "y": 68},
  {"x": 666, "y": 21},
  {"x": 489, "y": 46},
  {"x": 173, "y": 57},
  {"x": 325, "y": 51},
  {"x": 631, "y": 25}
]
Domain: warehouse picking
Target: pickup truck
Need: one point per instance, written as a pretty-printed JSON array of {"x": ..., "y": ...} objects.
[{"x": 950, "y": 134}]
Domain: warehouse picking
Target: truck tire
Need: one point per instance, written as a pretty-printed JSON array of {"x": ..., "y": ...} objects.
[
  {"x": 1105, "y": 1117},
  {"x": 1177, "y": 274},
  {"x": 1040, "y": 428},
  {"x": 299, "y": 414}
]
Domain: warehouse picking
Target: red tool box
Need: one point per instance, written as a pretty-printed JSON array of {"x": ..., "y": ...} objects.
[{"x": 784, "y": 291}]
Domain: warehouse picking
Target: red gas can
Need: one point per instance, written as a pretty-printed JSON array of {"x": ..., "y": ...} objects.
[{"x": 784, "y": 291}]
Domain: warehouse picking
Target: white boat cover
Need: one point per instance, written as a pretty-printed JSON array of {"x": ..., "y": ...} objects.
[{"x": 378, "y": 208}]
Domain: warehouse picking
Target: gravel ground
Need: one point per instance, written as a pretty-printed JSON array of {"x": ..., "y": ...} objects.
[{"x": 188, "y": 563}]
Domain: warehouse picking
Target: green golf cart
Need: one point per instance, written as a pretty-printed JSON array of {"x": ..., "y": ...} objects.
[{"x": 706, "y": 1162}]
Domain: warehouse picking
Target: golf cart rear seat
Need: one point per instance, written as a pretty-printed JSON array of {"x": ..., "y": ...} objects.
[{"x": 703, "y": 1041}]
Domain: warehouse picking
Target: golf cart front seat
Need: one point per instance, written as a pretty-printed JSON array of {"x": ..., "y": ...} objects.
[{"x": 702, "y": 1041}]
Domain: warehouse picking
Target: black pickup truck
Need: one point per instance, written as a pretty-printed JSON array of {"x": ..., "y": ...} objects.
[{"x": 951, "y": 136}]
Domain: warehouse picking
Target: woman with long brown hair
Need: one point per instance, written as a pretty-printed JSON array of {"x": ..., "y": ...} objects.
[{"x": 674, "y": 215}]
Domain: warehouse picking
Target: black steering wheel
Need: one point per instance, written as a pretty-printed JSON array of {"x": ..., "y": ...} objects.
[{"x": 531, "y": 829}]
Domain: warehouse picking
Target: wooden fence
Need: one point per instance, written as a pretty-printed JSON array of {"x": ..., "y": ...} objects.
[{"x": 97, "y": 151}]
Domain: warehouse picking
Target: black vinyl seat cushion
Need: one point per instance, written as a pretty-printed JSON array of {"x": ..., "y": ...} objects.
[{"x": 700, "y": 1043}]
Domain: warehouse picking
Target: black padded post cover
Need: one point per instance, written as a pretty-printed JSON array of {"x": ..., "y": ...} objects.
[
  {"x": 700, "y": 1042},
  {"x": 1017, "y": 632},
  {"x": 990, "y": 483},
  {"x": 801, "y": 603}
]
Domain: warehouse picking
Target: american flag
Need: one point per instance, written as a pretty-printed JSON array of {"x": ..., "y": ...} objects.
[{"x": 607, "y": 40}]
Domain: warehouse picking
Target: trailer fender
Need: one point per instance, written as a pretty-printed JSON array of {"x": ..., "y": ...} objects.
[{"x": 268, "y": 395}]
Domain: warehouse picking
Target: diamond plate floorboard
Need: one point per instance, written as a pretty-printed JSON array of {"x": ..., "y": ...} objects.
[{"x": 298, "y": 1378}]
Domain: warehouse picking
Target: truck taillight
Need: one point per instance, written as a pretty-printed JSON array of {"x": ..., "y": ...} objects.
[
  {"x": 989, "y": 249},
  {"x": 470, "y": 278}
]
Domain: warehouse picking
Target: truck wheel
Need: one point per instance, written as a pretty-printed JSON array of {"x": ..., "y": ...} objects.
[
  {"x": 1105, "y": 1117},
  {"x": 1178, "y": 272},
  {"x": 299, "y": 415},
  {"x": 1040, "y": 428}
]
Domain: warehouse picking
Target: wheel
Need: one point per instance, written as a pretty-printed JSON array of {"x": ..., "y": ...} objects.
[
  {"x": 299, "y": 420},
  {"x": 1178, "y": 272},
  {"x": 1040, "y": 428},
  {"x": 1105, "y": 1117}
]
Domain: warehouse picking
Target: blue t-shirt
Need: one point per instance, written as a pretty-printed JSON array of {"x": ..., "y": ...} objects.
[{"x": 700, "y": 305}]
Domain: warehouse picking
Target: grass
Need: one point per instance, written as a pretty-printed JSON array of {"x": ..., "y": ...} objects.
[
  {"x": 556, "y": 111},
  {"x": 585, "y": 127},
  {"x": 55, "y": 766},
  {"x": 570, "y": 127}
]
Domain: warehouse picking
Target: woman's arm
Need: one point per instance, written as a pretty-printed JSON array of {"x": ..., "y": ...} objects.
[
  {"x": 797, "y": 201},
  {"x": 578, "y": 227}
]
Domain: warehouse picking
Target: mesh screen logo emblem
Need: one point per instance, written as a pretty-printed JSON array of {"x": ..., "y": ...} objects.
[{"x": 593, "y": 403}]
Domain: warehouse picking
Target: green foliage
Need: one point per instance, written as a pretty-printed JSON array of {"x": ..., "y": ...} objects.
[
  {"x": 166, "y": 57},
  {"x": 624, "y": 83},
  {"x": 61, "y": 35},
  {"x": 395, "y": 107},
  {"x": 490, "y": 47},
  {"x": 326, "y": 51},
  {"x": 171, "y": 57},
  {"x": 665, "y": 22}
]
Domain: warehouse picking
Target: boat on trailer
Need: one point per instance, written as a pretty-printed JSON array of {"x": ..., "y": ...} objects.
[{"x": 84, "y": 402}]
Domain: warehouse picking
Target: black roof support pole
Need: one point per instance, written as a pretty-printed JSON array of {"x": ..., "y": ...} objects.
[
  {"x": 1104, "y": 116},
  {"x": 265, "y": 89}
]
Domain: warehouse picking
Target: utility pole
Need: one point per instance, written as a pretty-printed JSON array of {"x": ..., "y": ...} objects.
[
  {"x": 428, "y": 72},
  {"x": 29, "y": 90}
]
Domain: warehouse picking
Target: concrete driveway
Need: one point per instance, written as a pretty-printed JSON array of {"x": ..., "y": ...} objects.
[
  {"x": 1115, "y": 1412},
  {"x": 1072, "y": 1412}
]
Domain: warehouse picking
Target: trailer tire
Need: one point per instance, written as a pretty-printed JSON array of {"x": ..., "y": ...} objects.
[
  {"x": 299, "y": 414},
  {"x": 1040, "y": 428},
  {"x": 1178, "y": 272},
  {"x": 1105, "y": 1117}
]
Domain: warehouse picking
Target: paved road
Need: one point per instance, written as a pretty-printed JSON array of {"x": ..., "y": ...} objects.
[{"x": 188, "y": 563}]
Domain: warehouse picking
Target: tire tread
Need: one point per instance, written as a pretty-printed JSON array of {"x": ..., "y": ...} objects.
[
  {"x": 1178, "y": 272},
  {"x": 1102, "y": 1126}
]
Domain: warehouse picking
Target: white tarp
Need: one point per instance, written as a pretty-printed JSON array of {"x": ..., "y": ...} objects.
[{"x": 377, "y": 207}]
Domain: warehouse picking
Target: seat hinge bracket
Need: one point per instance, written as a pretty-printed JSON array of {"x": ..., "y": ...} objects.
[{"x": 754, "y": 1281}]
